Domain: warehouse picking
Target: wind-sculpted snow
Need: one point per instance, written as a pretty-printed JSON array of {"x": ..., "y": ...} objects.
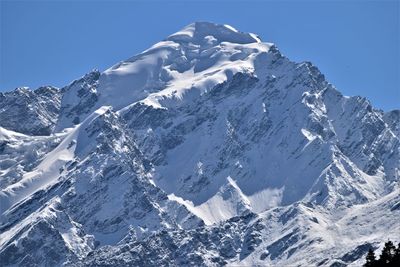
[{"x": 210, "y": 148}]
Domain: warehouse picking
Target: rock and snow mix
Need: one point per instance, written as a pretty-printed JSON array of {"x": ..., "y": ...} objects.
[{"x": 209, "y": 148}]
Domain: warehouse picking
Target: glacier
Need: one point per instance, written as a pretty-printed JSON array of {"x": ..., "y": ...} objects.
[{"x": 209, "y": 148}]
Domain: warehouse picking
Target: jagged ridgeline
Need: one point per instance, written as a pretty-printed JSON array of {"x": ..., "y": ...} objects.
[{"x": 210, "y": 148}]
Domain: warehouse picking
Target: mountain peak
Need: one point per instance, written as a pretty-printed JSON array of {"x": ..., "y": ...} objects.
[
  {"x": 200, "y": 32},
  {"x": 211, "y": 126}
]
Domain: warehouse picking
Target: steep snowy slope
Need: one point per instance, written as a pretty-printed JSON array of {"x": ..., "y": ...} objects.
[
  {"x": 20, "y": 153},
  {"x": 209, "y": 148},
  {"x": 265, "y": 130},
  {"x": 98, "y": 167}
]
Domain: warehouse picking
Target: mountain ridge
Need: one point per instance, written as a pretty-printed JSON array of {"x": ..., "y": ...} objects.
[{"x": 204, "y": 132}]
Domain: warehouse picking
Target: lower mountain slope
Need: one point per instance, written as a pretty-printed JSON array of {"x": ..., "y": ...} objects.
[
  {"x": 298, "y": 235},
  {"x": 96, "y": 176}
]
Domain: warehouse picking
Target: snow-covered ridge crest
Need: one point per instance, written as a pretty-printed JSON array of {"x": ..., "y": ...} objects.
[
  {"x": 201, "y": 32},
  {"x": 188, "y": 63}
]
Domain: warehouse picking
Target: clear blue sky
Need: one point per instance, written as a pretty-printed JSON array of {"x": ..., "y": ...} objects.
[{"x": 354, "y": 43}]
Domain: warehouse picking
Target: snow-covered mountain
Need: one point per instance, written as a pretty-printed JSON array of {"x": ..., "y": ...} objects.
[{"x": 209, "y": 148}]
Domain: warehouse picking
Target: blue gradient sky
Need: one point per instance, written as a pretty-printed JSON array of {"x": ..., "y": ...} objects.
[{"x": 356, "y": 44}]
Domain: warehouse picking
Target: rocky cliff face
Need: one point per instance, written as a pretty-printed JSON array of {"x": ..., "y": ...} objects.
[
  {"x": 30, "y": 112},
  {"x": 209, "y": 148}
]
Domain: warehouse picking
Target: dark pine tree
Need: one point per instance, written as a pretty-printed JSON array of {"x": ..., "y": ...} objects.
[
  {"x": 370, "y": 259},
  {"x": 396, "y": 258},
  {"x": 387, "y": 255}
]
